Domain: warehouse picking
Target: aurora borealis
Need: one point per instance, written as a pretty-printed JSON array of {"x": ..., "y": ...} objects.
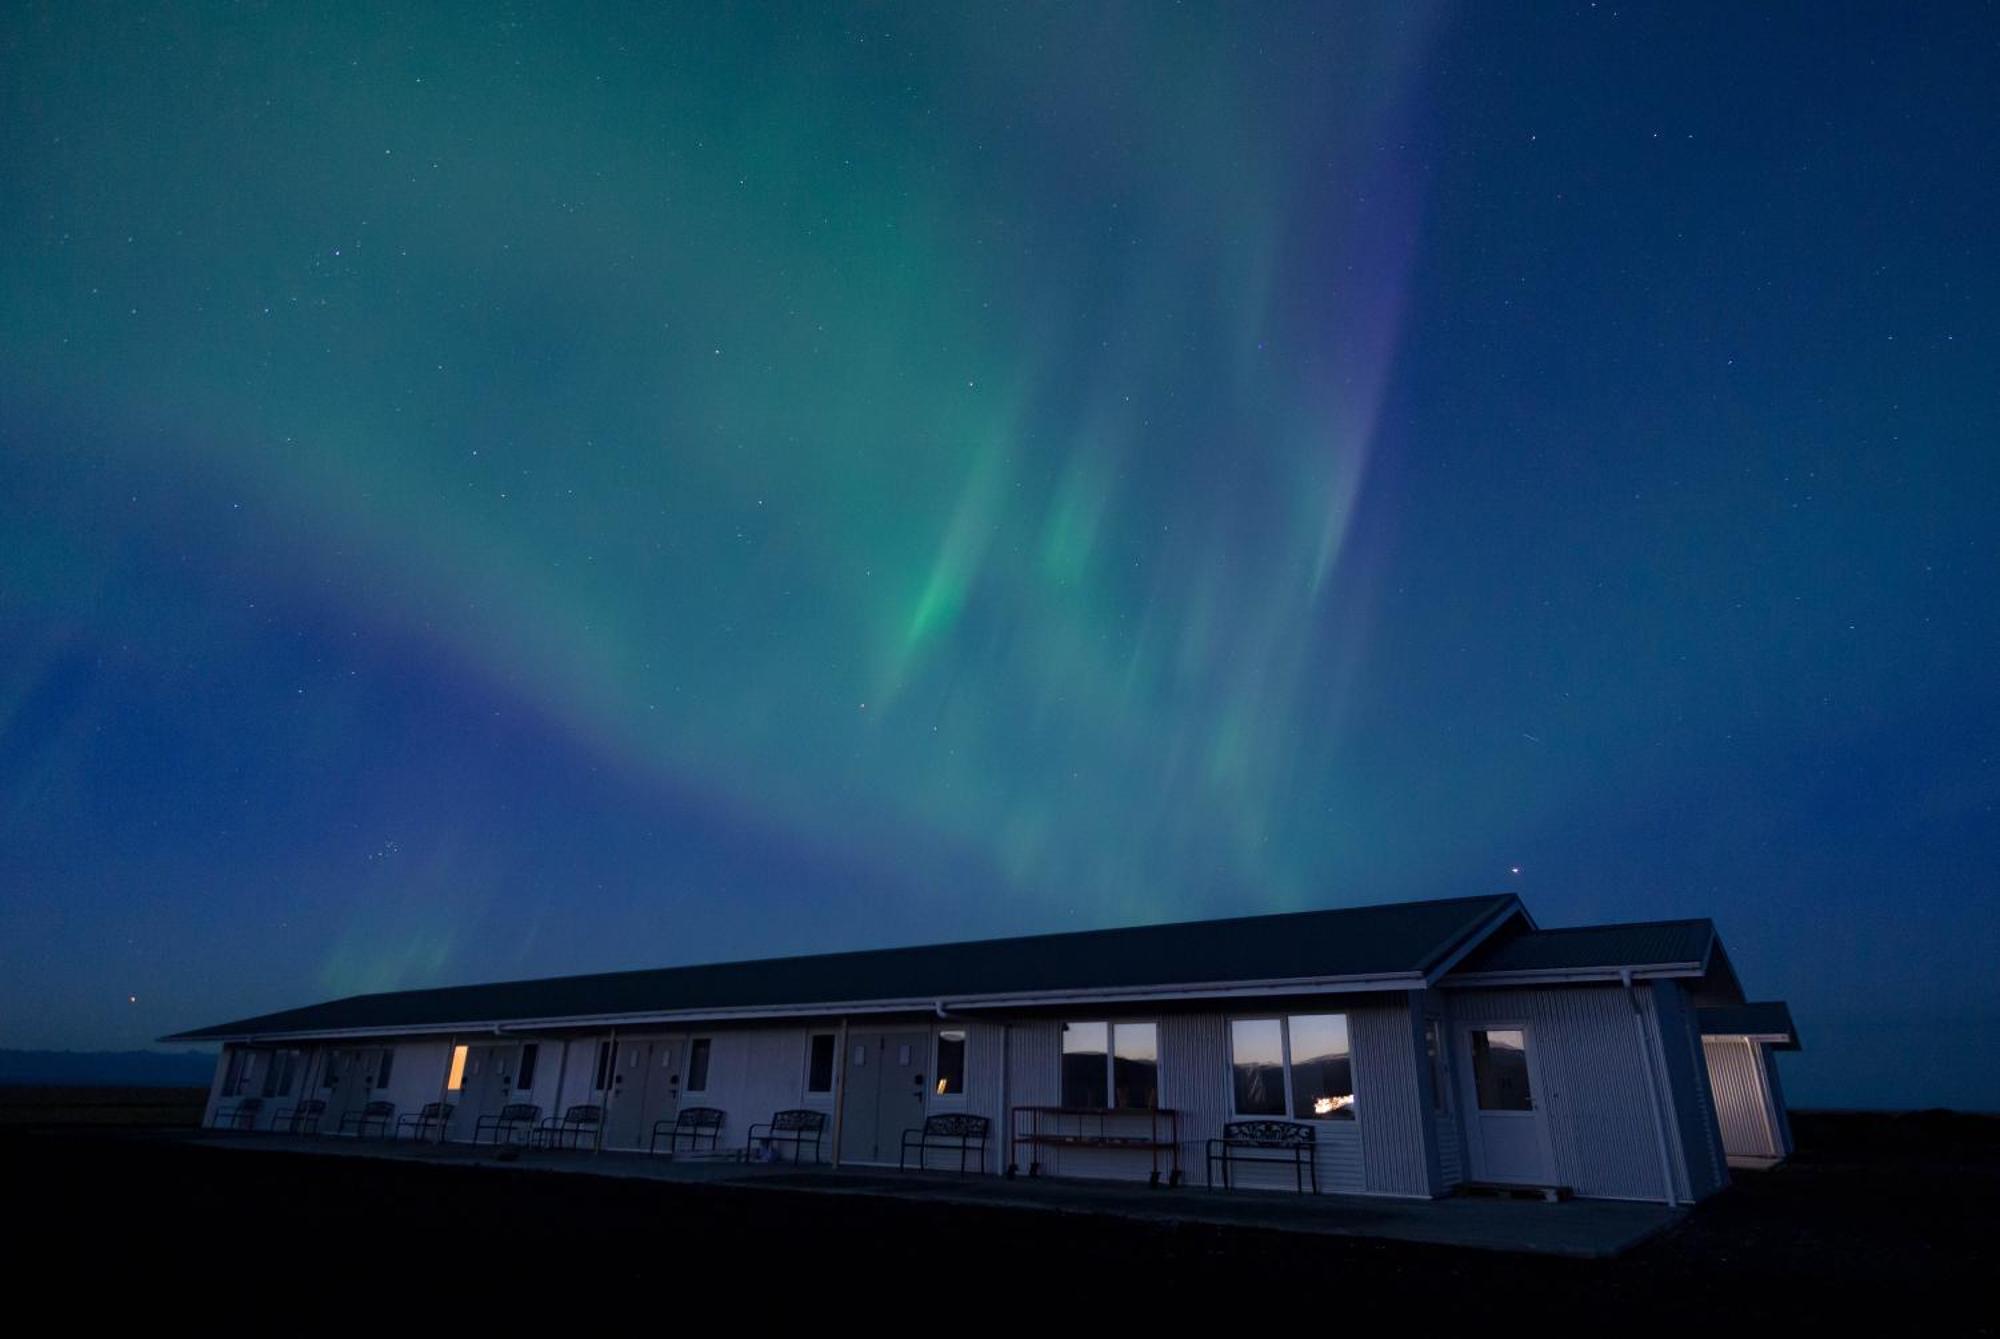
[{"x": 541, "y": 489}]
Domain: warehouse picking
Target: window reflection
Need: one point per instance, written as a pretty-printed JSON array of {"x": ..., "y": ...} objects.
[
  {"x": 951, "y": 1062},
  {"x": 1322, "y": 1068},
  {"x": 1500, "y": 1069},
  {"x": 1135, "y": 1065},
  {"x": 1085, "y": 1048},
  {"x": 1257, "y": 1062}
]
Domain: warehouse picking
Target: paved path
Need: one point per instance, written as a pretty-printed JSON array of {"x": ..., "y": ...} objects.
[{"x": 1582, "y": 1228}]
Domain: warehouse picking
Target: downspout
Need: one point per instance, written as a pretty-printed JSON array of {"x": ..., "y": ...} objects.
[
  {"x": 1652, "y": 1087},
  {"x": 839, "y": 1089},
  {"x": 562, "y": 1073},
  {"x": 610, "y": 1088}
]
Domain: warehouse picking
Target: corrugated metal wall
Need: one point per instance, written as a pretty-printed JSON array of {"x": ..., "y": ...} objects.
[
  {"x": 1604, "y": 1137},
  {"x": 1705, "y": 1169},
  {"x": 1391, "y": 1109},
  {"x": 1736, "y": 1077}
]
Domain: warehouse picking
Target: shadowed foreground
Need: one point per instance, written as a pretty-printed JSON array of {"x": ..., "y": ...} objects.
[{"x": 1881, "y": 1215}]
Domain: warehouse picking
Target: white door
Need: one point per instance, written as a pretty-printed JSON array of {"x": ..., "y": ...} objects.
[{"x": 1506, "y": 1125}]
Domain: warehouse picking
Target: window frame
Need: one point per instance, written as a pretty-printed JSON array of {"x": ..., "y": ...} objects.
[
  {"x": 832, "y": 1063},
  {"x": 1284, "y": 1021},
  {"x": 1111, "y": 1026},
  {"x": 964, "y": 1065},
  {"x": 707, "y": 1047},
  {"x": 527, "y": 1066}
]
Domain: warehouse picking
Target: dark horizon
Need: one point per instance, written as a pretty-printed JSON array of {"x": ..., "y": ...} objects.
[{"x": 568, "y": 491}]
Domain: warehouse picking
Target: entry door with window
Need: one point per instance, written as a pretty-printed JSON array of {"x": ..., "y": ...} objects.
[
  {"x": 1505, "y": 1116},
  {"x": 644, "y": 1088},
  {"x": 348, "y": 1083},
  {"x": 882, "y": 1093},
  {"x": 488, "y": 1085}
]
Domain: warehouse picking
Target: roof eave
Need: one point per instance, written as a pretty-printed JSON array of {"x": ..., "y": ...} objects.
[{"x": 1577, "y": 975}]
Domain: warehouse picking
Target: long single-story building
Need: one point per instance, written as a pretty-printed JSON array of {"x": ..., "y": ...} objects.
[{"x": 1426, "y": 1046}]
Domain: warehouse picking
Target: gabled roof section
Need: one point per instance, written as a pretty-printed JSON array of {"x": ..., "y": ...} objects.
[
  {"x": 1398, "y": 945},
  {"x": 1763, "y": 1020},
  {"x": 1650, "y": 949}
]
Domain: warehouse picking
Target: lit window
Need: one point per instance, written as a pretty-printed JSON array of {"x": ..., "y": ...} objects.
[
  {"x": 698, "y": 1065},
  {"x": 1302, "y": 1065},
  {"x": 530, "y": 1053},
  {"x": 819, "y": 1063},
  {"x": 951, "y": 1062},
  {"x": 1111, "y": 1065},
  {"x": 457, "y": 1079}
]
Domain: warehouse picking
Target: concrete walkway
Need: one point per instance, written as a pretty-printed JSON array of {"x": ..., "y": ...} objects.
[{"x": 1587, "y": 1229}]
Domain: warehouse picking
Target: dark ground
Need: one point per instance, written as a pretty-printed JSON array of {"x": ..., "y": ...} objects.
[{"x": 1879, "y": 1216}]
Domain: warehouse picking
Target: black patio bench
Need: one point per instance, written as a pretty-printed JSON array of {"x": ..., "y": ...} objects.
[
  {"x": 948, "y": 1131},
  {"x": 378, "y": 1116},
  {"x": 695, "y": 1125},
  {"x": 583, "y": 1120},
  {"x": 300, "y": 1118},
  {"x": 1280, "y": 1141},
  {"x": 432, "y": 1115},
  {"x": 242, "y": 1116},
  {"x": 797, "y": 1127},
  {"x": 514, "y": 1118}
]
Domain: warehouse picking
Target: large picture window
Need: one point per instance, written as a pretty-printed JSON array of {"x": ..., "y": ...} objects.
[
  {"x": 1111, "y": 1065},
  {"x": 1301, "y": 1065}
]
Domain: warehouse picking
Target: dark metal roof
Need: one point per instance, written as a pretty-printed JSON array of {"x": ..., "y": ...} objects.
[
  {"x": 1763, "y": 1018},
  {"x": 1346, "y": 942},
  {"x": 1588, "y": 947}
]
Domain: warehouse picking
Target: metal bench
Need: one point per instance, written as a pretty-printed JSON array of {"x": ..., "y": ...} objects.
[
  {"x": 949, "y": 1131},
  {"x": 797, "y": 1127},
  {"x": 434, "y": 1115},
  {"x": 242, "y": 1116},
  {"x": 569, "y": 1130},
  {"x": 1279, "y": 1141},
  {"x": 693, "y": 1124},
  {"x": 379, "y": 1116},
  {"x": 512, "y": 1119},
  {"x": 300, "y": 1118}
]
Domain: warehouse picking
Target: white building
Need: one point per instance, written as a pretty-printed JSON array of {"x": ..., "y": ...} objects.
[{"x": 1426, "y": 1045}]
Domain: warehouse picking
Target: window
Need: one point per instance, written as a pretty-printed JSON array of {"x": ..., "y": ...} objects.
[
  {"x": 698, "y": 1065},
  {"x": 1500, "y": 1069},
  {"x": 1301, "y": 1064},
  {"x": 1111, "y": 1065},
  {"x": 530, "y": 1053},
  {"x": 278, "y": 1079},
  {"x": 951, "y": 1062},
  {"x": 603, "y": 1079},
  {"x": 232, "y": 1075},
  {"x": 457, "y": 1079},
  {"x": 1440, "y": 1071},
  {"x": 382, "y": 1070},
  {"x": 819, "y": 1063}
]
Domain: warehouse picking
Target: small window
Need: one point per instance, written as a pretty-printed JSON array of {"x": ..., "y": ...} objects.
[
  {"x": 1500, "y": 1069},
  {"x": 603, "y": 1079},
  {"x": 951, "y": 1062},
  {"x": 530, "y": 1053},
  {"x": 698, "y": 1065},
  {"x": 457, "y": 1079},
  {"x": 1440, "y": 1072},
  {"x": 383, "y": 1070},
  {"x": 819, "y": 1063}
]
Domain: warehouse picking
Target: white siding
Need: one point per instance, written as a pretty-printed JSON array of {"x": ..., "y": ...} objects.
[
  {"x": 1605, "y": 1137},
  {"x": 1736, "y": 1076}
]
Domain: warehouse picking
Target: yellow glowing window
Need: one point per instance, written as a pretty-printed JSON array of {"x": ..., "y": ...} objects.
[{"x": 457, "y": 1079}]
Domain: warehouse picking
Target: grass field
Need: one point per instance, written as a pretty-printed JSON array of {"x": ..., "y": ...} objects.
[{"x": 1878, "y": 1215}]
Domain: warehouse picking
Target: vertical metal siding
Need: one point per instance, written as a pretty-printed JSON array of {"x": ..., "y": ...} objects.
[
  {"x": 1704, "y": 1169},
  {"x": 1735, "y": 1075},
  {"x": 1392, "y": 1110}
]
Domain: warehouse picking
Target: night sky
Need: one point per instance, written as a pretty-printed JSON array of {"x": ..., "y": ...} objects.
[{"x": 550, "y": 489}]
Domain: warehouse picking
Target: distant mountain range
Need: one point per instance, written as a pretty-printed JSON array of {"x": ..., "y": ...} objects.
[{"x": 125, "y": 1069}]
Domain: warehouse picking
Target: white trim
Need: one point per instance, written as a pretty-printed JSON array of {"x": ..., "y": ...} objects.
[{"x": 1573, "y": 975}]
